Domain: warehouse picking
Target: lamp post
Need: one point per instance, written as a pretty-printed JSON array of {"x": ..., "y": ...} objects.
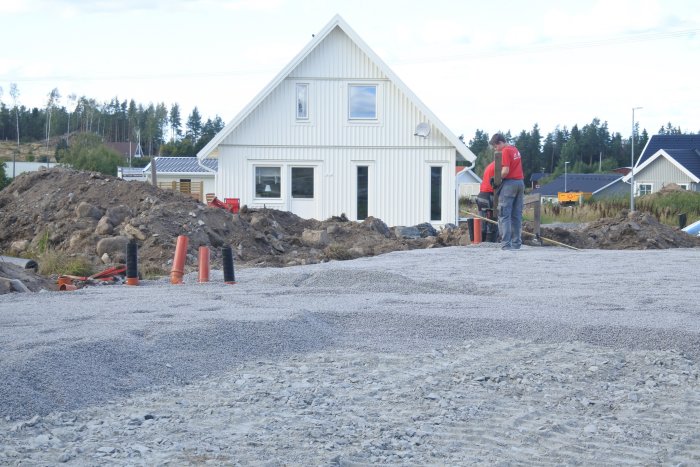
[
  {"x": 566, "y": 164},
  {"x": 632, "y": 162}
]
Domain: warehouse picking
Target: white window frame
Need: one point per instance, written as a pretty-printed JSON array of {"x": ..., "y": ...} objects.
[
  {"x": 639, "y": 188},
  {"x": 377, "y": 103},
  {"x": 297, "y": 87},
  {"x": 685, "y": 186}
]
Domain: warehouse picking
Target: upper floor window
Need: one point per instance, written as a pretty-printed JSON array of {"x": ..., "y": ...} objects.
[
  {"x": 302, "y": 101},
  {"x": 362, "y": 102}
]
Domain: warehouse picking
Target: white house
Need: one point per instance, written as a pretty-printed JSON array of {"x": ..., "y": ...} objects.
[{"x": 338, "y": 132}]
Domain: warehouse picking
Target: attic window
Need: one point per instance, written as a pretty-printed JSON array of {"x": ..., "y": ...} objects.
[
  {"x": 362, "y": 102},
  {"x": 302, "y": 101}
]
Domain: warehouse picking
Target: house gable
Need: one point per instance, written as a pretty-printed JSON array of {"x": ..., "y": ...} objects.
[
  {"x": 334, "y": 59},
  {"x": 662, "y": 166}
]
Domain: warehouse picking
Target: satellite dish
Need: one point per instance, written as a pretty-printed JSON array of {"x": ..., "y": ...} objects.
[{"x": 422, "y": 130}]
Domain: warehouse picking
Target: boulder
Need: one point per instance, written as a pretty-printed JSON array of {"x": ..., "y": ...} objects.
[
  {"x": 87, "y": 210},
  {"x": 315, "y": 238},
  {"x": 111, "y": 245}
]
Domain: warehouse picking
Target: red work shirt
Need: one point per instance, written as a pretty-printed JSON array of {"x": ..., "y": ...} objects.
[
  {"x": 486, "y": 181},
  {"x": 510, "y": 157}
]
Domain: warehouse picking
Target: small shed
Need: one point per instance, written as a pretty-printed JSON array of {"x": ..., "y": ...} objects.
[{"x": 185, "y": 174}]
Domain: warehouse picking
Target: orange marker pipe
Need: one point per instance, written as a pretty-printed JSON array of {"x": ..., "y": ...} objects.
[
  {"x": 178, "y": 269},
  {"x": 67, "y": 287},
  {"x": 477, "y": 231},
  {"x": 203, "y": 264}
]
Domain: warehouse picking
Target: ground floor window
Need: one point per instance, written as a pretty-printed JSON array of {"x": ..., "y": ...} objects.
[
  {"x": 644, "y": 189},
  {"x": 362, "y": 195},
  {"x": 436, "y": 193},
  {"x": 268, "y": 182}
]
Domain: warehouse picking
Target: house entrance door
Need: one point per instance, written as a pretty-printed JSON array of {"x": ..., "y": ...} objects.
[{"x": 304, "y": 196}]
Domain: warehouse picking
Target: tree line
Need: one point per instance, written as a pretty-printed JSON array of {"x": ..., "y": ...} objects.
[
  {"x": 159, "y": 128},
  {"x": 589, "y": 149}
]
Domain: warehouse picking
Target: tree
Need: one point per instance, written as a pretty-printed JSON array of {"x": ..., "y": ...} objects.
[
  {"x": 194, "y": 125},
  {"x": 54, "y": 97},
  {"x": 175, "y": 122},
  {"x": 87, "y": 152}
]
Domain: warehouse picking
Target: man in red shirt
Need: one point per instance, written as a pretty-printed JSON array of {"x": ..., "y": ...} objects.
[
  {"x": 484, "y": 201},
  {"x": 511, "y": 193}
]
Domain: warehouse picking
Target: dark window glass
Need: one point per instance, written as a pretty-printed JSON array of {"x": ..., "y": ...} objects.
[
  {"x": 302, "y": 182},
  {"x": 267, "y": 182},
  {"x": 435, "y": 193},
  {"x": 362, "y": 198}
]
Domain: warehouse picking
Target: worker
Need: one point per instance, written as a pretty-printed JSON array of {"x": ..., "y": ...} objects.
[
  {"x": 484, "y": 201},
  {"x": 511, "y": 194}
]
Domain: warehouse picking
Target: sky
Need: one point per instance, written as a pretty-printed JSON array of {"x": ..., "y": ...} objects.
[{"x": 490, "y": 66}]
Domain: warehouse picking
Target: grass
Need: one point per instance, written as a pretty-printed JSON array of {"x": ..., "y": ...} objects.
[
  {"x": 56, "y": 262},
  {"x": 666, "y": 207}
]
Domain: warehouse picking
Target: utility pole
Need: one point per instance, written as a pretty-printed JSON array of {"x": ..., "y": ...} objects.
[{"x": 632, "y": 162}]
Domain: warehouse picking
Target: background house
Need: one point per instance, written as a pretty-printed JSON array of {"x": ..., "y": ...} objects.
[
  {"x": 600, "y": 185},
  {"x": 467, "y": 182},
  {"x": 184, "y": 174},
  {"x": 127, "y": 149},
  {"x": 667, "y": 159},
  {"x": 337, "y": 132}
]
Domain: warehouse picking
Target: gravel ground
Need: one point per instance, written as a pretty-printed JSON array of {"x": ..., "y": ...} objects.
[{"x": 441, "y": 356}]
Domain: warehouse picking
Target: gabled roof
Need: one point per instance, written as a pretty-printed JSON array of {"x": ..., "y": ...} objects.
[
  {"x": 671, "y": 142},
  {"x": 183, "y": 165},
  {"x": 538, "y": 176},
  {"x": 587, "y": 183},
  {"x": 686, "y": 160},
  {"x": 336, "y": 22}
]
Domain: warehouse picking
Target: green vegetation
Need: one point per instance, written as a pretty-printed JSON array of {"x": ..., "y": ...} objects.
[
  {"x": 55, "y": 262},
  {"x": 86, "y": 152}
]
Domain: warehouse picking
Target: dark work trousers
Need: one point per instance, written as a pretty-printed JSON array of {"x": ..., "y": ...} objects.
[{"x": 489, "y": 230}]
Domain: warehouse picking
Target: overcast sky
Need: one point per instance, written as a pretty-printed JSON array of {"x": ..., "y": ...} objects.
[{"x": 477, "y": 65}]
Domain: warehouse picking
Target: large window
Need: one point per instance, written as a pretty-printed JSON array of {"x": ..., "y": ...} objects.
[
  {"x": 362, "y": 198},
  {"x": 644, "y": 189},
  {"x": 302, "y": 182},
  {"x": 302, "y": 101},
  {"x": 268, "y": 182},
  {"x": 362, "y": 102},
  {"x": 436, "y": 193}
]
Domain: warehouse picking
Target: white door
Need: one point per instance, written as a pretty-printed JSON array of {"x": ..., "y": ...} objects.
[{"x": 304, "y": 193}]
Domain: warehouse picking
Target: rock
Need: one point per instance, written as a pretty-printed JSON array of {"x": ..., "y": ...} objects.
[
  {"x": 104, "y": 226},
  {"x": 105, "y": 258},
  {"x": 19, "y": 246},
  {"x": 377, "y": 225},
  {"x": 426, "y": 230},
  {"x": 133, "y": 232},
  {"x": 407, "y": 232},
  {"x": 112, "y": 245},
  {"x": 118, "y": 214},
  {"x": 315, "y": 238},
  {"x": 87, "y": 210}
]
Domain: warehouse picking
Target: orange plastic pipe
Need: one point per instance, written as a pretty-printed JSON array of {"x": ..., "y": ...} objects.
[
  {"x": 132, "y": 281},
  {"x": 203, "y": 264},
  {"x": 477, "y": 230},
  {"x": 67, "y": 287},
  {"x": 178, "y": 269}
]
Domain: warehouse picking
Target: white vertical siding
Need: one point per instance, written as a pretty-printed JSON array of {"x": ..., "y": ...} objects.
[
  {"x": 399, "y": 180},
  {"x": 662, "y": 172}
]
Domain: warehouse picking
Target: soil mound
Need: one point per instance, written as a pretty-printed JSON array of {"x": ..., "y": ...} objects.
[
  {"x": 94, "y": 216},
  {"x": 628, "y": 231}
]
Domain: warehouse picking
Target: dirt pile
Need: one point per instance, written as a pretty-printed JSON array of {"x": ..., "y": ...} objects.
[
  {"x": 95, "y": 216},
  {"x": 92, "y": 216},
  {"x": 628, "y": 231}
]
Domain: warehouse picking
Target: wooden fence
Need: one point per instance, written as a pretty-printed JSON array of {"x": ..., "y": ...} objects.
[{"x": 193, "y": 189}]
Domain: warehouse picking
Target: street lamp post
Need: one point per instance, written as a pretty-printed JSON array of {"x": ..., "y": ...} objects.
[
  {"x": 632, "y": 162},
  {"x": 566, "y": 164}
]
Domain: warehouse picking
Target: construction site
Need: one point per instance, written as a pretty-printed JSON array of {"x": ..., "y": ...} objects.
[{"x": 91, "y": 217}]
